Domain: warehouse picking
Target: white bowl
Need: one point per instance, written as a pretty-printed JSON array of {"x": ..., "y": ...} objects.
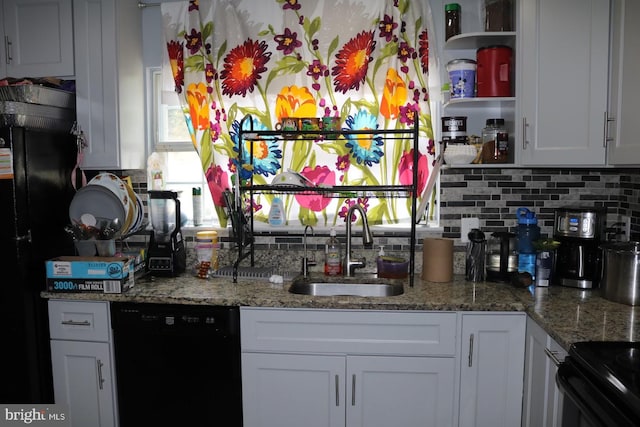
[
  {"x": 121, "y": 190},
  {"x": 291, "y": 178},
  {"x": 460, "y": 154}
]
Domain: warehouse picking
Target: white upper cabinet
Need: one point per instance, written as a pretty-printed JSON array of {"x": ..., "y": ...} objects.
[
  {"x": 624, "y": 140},
  {"x": 563, "y": 78},
  {"x": 110, "y": 83},
  {"x": 37, "y": 38}
]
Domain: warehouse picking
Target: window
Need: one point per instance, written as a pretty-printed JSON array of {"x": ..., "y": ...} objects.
[{"x": 182, "y": 164}]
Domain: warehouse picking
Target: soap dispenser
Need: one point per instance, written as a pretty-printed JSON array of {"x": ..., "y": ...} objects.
[
  {"x": 379, "y": 259},
  {"x": 276, "y": 213}
]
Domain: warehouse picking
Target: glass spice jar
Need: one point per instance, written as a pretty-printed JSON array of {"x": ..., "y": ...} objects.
[
  {"x": 495, "y": 142},
  {"x": 452, "y": 20}
]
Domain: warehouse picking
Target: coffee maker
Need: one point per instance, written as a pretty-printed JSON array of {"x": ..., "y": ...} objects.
[
  {"x": 580, "y": 230},
  {"x": 167, "y": 255}
]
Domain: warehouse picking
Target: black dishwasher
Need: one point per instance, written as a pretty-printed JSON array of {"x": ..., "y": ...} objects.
[{"x": 177, "y": 364}]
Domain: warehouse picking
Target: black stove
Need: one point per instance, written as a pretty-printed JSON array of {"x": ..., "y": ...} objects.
[{"x": 602, "y": 379}]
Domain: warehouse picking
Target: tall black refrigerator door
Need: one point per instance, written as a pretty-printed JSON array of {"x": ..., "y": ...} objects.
[
  {"x": 35, "y": 193},
  {"x": 43, "y": 192}
]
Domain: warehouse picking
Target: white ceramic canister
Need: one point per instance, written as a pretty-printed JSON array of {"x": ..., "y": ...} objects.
[{"x": 462, "y": 78}]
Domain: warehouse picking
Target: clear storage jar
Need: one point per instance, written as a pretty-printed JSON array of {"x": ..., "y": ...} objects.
[
  {"x": 495, "y": 142},
  {"x": 498, "y": 15}
]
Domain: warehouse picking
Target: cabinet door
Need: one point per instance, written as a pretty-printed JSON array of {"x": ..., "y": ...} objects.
[
  {"x": 535, "y": 377},
  {"x": 624, "y": 145},
  {"x": 542, "y": 397},
  {"x": 400, "y": 391},
  {"x": 38, "y": 38},
  {"x": 491, "y": 369},
  {"x": 110, "y": 83},
  {"x": 563, "y": 75},
  {"x": 82, "y": 380},
  {"x": 293, "y": 390}
]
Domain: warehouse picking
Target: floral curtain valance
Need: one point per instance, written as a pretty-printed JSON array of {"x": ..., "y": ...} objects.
[{"x": 364, "y": 61}]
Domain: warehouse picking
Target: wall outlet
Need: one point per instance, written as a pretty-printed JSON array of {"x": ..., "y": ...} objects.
[
  {"x": 466, "y": 225},
  {"x": 626, "y": 228}
]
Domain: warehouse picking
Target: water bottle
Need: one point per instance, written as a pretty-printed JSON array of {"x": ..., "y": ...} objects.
[
  {"x": 475, "y": 256},
  {"x": 527, "y": 233}
]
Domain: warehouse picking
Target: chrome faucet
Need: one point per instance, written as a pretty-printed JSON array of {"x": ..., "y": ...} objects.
[
  {"x": 305, "y": 260},
  {"x": 351, "y": 264}
]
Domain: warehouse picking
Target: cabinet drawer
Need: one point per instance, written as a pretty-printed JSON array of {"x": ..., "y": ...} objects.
[
  {"x": 348, "y": 331},
  {"x": 73, "y": 320}
]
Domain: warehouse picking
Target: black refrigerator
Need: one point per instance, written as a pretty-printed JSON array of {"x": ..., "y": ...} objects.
[{"x": 35, "y": 193}]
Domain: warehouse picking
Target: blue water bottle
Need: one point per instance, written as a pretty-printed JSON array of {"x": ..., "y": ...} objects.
[{"x": 527, "y": 233}]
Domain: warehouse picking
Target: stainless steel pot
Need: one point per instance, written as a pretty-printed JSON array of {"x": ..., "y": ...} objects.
[{"x": 621, "y": 272}]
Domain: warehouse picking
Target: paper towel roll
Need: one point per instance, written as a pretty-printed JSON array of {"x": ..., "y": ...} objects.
[{"x": 437, "y": 260}]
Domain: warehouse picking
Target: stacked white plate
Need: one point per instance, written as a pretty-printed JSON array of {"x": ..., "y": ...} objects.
[{"x": 106, "y": 196}]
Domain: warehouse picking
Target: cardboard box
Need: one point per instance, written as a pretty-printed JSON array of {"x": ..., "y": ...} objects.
[{"x": 109, "y": 275}]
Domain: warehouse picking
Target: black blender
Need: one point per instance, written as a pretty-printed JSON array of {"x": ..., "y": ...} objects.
[{"x": 167, "y": 255}]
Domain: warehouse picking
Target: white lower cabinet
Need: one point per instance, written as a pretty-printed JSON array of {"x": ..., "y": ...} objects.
[
  {"x": 542, "y": 397},
  {"x": 82, "y": 362},
  {"x": 491, "y": 369},
  {"x": 348, "y": 368}
]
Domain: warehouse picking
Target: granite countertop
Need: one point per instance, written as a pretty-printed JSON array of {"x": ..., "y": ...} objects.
[{"x": 568, "y": 315}]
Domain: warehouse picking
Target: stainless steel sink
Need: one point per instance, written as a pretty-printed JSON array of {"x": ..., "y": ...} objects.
[{"x": 346, "y": 289}]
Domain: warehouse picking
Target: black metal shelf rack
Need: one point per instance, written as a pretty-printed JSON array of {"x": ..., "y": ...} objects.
[{"x": 243, "y": 226}]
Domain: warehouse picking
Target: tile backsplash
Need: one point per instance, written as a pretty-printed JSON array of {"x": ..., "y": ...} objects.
[{"x": 493, "y": 195}]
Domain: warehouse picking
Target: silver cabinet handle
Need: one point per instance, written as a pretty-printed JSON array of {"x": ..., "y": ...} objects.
[
  {"x": 337, "y": 390},
  {"x": 524, "y": 133},
  {"x": 76, "y": 323},
  {"x": 553, "y": 355},
  {"x": 607, "y": 120},
  {"x": 100, "y": 377},
  {"x": 470, "y": 350},
  {"x": 353, "y": 390}
]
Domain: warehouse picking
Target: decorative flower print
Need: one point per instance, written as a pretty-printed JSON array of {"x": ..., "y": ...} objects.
[
  {"x": 317, "y": 70},
  {"x": 294, "y": 101},
  {"x": 386, "y": 28},
  {"x": 423, "y": 51},
  {"x": 243, "y": 66},
  {"x": 366, "y": 73},
  {"x": 218, "y": 181},
  {"x": 287, "y": 42},
  {"x": 291, "y": 4},
  {"x": 210, "y": 73},
  {"x": 266, "y": 152},
  {"x": 408, "y": 113},
  {"x": 352, "y": 62},
  {"x": 394, "y": 94},
  {"x": 405, "y": 51},
  {"x": 197, "y": 97},
  {"x": 320, "y": 175},
  {"x": 342, "y": 164},
  {"x": 364, "y": 148},
  {"x": 406, "y": 170},
  {"x": 364, "y": 202},
  {"x": 194, "y": 41},
  {"x": 176, "y": 60}
]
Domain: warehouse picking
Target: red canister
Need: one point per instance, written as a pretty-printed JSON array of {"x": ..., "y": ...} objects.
[{"x": 493, "y": 73}]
